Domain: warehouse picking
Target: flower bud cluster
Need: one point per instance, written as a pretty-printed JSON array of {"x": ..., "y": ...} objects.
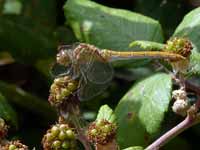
[
  {"x": 101, "y": 132},
  {"x": 180, "y": 46},
  {"x": 13, "y": 145},
  {"x": 61, "y": 89},
  {"x": 59, "y": 137},
  {"x": 181, "y": 104},
  {"x": 3, "y": 128},
  {"x": 183, "y": 47}
]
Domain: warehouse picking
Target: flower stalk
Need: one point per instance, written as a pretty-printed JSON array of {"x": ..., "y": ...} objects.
[{"x": 191, "y": 119}]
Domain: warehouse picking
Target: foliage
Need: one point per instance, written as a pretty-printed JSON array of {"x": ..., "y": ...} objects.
[
  {"x": 188, "y": 28},
  {"x": 105, "y": 112},
  {"x": 142, "y": 109},
  {"x": 147, "y": 45},
  {"x": 139, "y": 94}
]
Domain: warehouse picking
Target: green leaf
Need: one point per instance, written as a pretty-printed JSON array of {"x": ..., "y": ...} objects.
[
  {"x": 162, "y": 11},
  {"x": 189, "y": 28},
  {"x": 141, "y": 111},
  {"x": 7, "y": 112},
  {"x": 26, "y": 40},
  {"x": 194, "y": 68},
  {"x": 44, "y": 66},
  {"x": 27, "y": 101},
  {"x": 43, "y": 12},
  {"x": 12, "y": 7},
  {"x": 179, "y": 142},
  {"x": 64, "y": 35},
  {"x": 147, "y": 45},
  {"x": 105, "y": 112},
  {"x": 134, "y": 148},
  {"x": 31, "y": 43},
  {"x": 108, "y": 27}
]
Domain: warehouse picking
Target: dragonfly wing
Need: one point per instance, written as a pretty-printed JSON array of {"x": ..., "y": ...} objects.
[
  {"x": 88, "y": 90},
  {"x": 99, "y": 72},
  {"x": 68, "y": 47}
]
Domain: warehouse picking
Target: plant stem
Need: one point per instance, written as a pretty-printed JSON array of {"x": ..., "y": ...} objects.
[
  {"x": 84, "y": 141},
  {"x": 182, "y": 126},
  {"x": 112, "y": 145},
  {"x": 192, "y": 87}
]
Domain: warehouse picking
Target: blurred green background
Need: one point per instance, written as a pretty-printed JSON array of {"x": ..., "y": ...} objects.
[{"x": 31, "y": 30}]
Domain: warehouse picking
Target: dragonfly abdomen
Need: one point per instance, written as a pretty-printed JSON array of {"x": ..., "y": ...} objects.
[{"x": 110, "y": 55}]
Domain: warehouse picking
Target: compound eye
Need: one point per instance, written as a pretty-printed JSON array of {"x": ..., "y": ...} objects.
[{"x": 63, "y": 58}]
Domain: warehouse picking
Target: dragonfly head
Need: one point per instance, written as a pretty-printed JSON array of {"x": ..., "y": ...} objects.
[{"x": 63, "y": 57}]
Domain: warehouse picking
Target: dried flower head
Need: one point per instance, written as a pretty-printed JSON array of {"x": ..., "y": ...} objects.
[
  {"x": 180, "y": 107},
  {"x": 181, "y": 104},
  {"x": 179, "y": 94}
]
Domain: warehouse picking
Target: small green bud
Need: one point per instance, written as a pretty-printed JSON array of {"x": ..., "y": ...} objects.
[
  {"x": 93, "y": 132},
  {"x": 63, "y": 127},
  {"x": 12, "y": 147},
  {"x": 65, "y": 145},
  {"x": 65, "y": 92},
  {"x": 59, "y": 96},
  {"x": 107, "y": 128},
  {"x": 57, "y": 80},
  {"x": 70, "y": 134},
  {"x": 71, "y": 86},
  {"x": 2, "y": 123},
  {"x": 53, "y": 87},
  {"x": 50, "y": 136},
  {"x": 62, "y": 135},
  {"x": 56, "y": 144},
  {"x": 55, "y": 130}
]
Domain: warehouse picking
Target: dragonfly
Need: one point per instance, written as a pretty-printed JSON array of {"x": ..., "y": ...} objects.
[{"x": 92, "y": 65}]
